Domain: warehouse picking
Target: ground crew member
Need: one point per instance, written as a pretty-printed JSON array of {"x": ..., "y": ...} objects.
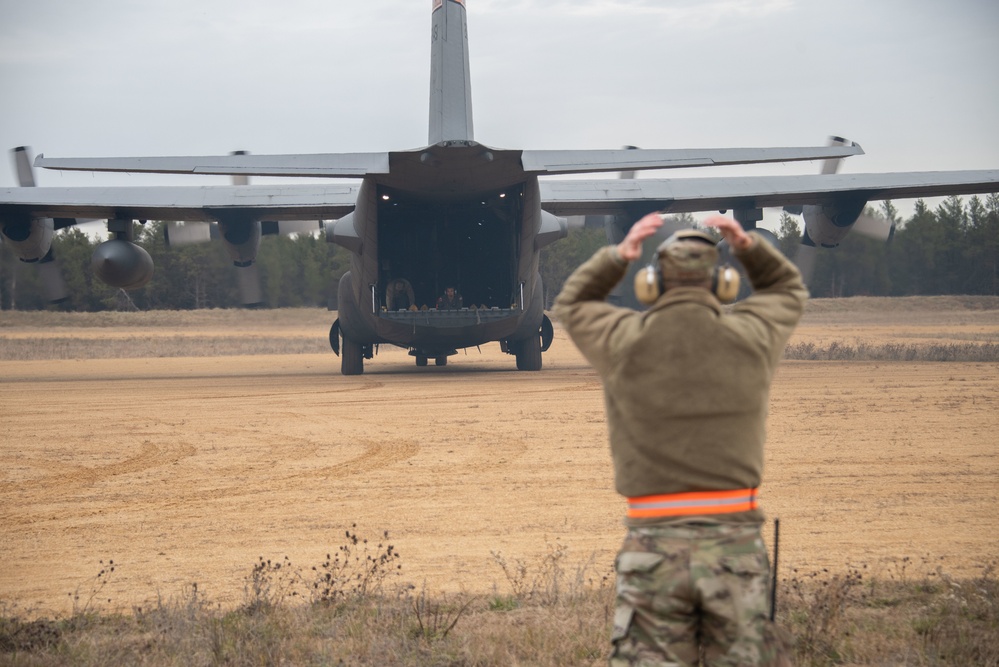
[
  {"x": 686, "y": 387},
  {"x": 399, "y": 295},
  {"x": 450, "y": 300}
]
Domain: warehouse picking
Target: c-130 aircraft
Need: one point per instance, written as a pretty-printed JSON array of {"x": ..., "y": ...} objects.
[{"x": 453, "y": 213}]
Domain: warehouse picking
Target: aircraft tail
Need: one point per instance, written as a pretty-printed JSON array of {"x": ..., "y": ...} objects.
[{"x": 450, "y": 84}]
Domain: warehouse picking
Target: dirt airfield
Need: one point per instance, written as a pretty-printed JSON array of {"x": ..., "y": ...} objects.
[{"x": 185, "y": 469}]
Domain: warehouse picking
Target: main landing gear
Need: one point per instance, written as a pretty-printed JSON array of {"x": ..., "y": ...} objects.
[
  {"x": 352, "y": 355},
  {"x": 351, "y": 358},
  {"x": 528, "y": 352}
]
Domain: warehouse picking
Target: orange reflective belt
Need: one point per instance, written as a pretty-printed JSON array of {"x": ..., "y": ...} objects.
[{"x": 693, "y": 503}]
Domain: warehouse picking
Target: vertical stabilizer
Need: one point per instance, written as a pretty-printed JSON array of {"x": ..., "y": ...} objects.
[{"x": 450, "y": 85}]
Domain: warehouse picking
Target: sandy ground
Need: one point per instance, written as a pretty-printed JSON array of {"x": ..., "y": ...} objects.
[{"x": 189, "y": 469}]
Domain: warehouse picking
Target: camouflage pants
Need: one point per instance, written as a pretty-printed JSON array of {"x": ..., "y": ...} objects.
[{"x": 689, "y": 592}]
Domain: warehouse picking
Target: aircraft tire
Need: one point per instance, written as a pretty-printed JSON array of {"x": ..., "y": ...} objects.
[
  {"x": 351, "y": 358},
  {"x": 440, "y": 361},
  {"x": 421, "y": 360},
  {"x": 529, "y": 354}
]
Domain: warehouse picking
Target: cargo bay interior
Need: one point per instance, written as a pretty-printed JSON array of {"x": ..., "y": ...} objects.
[{"x": 471, "y": 244}]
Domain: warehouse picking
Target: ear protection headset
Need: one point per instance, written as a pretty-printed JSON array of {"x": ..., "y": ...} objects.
[{"x": 649, "y": 283}]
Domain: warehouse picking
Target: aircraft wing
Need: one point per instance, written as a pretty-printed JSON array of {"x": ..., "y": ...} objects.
[
  {"x": 192, "y": 203},
  {"x": 688, "y": 195},
  {"x": 589, "y": 161},
  {"x": 332, "y": 165}
]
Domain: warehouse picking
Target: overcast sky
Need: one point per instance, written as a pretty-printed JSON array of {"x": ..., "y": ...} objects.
[{"x": 915, "y": 82}]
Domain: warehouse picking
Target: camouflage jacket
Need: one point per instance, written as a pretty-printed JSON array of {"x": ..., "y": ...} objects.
[{"x": 687, "y": 382}]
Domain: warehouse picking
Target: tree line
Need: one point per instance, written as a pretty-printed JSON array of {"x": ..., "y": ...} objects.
[
  {"x": 953, "y": 249},
  {"x": 295, "y": 271}
]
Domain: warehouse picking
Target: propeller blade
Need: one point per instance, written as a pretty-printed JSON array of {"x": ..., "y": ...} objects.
[
  {"x": 875, "y": 228},
  {"x": 249, "y": 285},
  {"x": 26, "y": 179},
  {"x": 805, "y": 260},
  {"x": 22, "y": 164},
  {"x": 629, "y": 173},
  {"x": 831, "y": 165},
  {"x": 299, "y": 226},
  {"x": 240, "y": 179},
  {"x": 53, "y": 284},
  {"x": 187, "y": 233}
]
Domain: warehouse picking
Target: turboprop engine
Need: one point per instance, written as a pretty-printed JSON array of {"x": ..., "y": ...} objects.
[
  {"x": 828, "y": 225},
  {"x": 241, "y": 241},
  {"x": 29, "y": 239}
]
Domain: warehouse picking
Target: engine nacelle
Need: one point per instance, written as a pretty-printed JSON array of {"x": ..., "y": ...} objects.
[
  {"x": 552, "y": 229},
  {"x": 241, "y": 241},
  {"x": 123, "y": 264},
  {"x": 29, "y": 239},
  {"x": 829, "y": 224},
  {"x": 343, "y": 233}
]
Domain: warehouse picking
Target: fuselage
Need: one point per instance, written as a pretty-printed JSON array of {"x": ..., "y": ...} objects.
[{"x": 457, "y": 215}]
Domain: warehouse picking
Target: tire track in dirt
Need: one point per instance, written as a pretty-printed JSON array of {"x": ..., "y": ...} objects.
[
  {"x": 374, "y": 456},
  {"x": 450, "y": 397},
  {"x": 67, "y": 475},
  {"x": 260, "y": 448},
  {"x": 491, "y": 459},
  {"x": 361, "y": 386},
  {"x": 62, "y": 486},
  {"x": 474, "y": 449}
]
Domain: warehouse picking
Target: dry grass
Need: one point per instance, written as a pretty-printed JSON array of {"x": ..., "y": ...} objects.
[
  {"x": 551, "y": 613},
  {"x": 350, "y": 609},
  {"x": 143, "y": 347},
  {"x": 864, "y": 351},
  {"x": 903, "y": 612},
  {"x": 914, "y": 325},
  {"x": 904, "y": 304},
  {"x": 38, "y": 335},
  {"x": 237, "y": 319}
]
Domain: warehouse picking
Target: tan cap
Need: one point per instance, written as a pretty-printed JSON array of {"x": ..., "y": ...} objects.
[{"x": 687, "y": 256}]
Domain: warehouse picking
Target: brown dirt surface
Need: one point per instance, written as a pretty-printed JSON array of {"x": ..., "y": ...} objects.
[{"x": 187, "y": 469}]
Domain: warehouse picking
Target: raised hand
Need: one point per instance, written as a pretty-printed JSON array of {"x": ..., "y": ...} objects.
[
  {"x": 630, "y": 248},
  {"x": 731, "y": 230}
]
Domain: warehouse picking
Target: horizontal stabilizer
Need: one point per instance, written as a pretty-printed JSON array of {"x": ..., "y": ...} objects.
[
  {"x": 587, "y": 161},
  {"x": 331, "y": 165}
]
